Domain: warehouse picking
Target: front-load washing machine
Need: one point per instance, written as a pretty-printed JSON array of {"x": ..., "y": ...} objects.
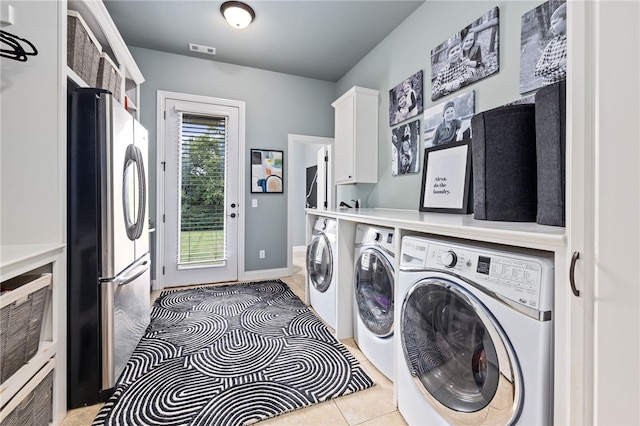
[
  {"x": 322, "y": 270},
  {"x": 374, "y": 280},
  {"x": 475, "y": 334}
]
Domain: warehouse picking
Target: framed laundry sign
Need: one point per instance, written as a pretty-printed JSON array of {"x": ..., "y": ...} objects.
[
  {"x": 266, "y": 171},
  {"x": 446, "y": 179}
]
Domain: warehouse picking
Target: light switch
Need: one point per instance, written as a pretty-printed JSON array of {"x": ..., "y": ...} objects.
[{"x": 254, "y": 202}]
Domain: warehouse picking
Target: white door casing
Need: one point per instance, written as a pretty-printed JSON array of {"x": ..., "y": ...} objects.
[{"x": 291, "y": 171}]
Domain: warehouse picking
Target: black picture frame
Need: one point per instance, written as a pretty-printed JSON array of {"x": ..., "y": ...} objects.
[
  {"x": 267, "y": 171},
  {"x": 446, "y": 179}
]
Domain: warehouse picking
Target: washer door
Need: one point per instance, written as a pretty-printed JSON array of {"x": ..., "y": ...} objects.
[
  {"x": 373, "y": 282},
  {"x": 320, "y": 262},
  {"x": 459, "y": 355}
]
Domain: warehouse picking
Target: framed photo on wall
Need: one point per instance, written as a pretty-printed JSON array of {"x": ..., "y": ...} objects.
[
  {"x": 405, "y": 141},
  {"x": 543, "y": 46},
  {"x": 446, "y": 179},
  {"x": 405, "y": 100},
  {"x": 449, "y": 121},
  {"x": 469, "y": 55},
  {"x": 267, "y": 171}
]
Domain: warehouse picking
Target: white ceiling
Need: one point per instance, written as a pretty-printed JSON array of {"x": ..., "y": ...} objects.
[{"x": 321, "y": 39}]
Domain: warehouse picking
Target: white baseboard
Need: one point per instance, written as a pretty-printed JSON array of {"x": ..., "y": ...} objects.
[
  {"x": 265, "y": 274},
  {"x": 299, "y": 249}
]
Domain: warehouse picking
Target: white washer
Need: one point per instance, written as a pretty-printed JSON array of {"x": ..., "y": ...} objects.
[
  {"x": 475, "y": 333},
  {"x": 373, "y": 282},
  {"x": 322, "y": 270}
]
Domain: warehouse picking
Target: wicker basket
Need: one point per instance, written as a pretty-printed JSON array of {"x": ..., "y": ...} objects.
[
  {"x": 109, "y": 76},
  {"x": 83, "y": 49},
  {"x": 35, "y": 408},
  {"x": 21, "y": 321}
]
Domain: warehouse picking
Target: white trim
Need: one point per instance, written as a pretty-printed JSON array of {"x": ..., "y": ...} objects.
[
  {"x": 293, "y": 139},
  {"x": 299, "y": 249},
  {"x": 266, "y": 274},
  {"x": 162, "y": 97}
]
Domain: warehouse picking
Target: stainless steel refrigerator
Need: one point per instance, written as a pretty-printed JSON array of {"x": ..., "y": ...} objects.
[{"x": 108, "y": 278}]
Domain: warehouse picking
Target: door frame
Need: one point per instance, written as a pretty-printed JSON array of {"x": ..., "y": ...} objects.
[
  {"x": 162, "y": 96},
  {"x": 304, "y": 139}
]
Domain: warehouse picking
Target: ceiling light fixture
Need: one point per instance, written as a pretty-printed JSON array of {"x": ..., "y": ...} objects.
[{"x": 237, "y": 14}]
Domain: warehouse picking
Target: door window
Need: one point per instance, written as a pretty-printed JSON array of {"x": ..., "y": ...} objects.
[{"x": 374, "y": 292}]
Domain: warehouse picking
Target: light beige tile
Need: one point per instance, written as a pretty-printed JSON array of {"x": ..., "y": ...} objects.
[
  {"x": 391, "y": 419},
  {"x": 366, "y": 405},
  {"x": 81, "y": 416},
  {"x": 376, "y": 375},
  {"x": 351, "y": 344},
  {"x": 322, "y": 414}
]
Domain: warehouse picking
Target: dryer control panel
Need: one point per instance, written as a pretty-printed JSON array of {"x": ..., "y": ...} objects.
[{"x": 514, "y": 276}]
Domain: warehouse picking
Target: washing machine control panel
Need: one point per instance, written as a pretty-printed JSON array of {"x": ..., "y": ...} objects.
[
  {"x": 515, "y": 278},
  {"x": 378, "y": 236}
]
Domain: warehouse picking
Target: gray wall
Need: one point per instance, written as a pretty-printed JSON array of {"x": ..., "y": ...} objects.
[
  {"x": 408, "y": 50},
  {"x": 279, "y": 104},
  {"x": 276, "y": 105}
]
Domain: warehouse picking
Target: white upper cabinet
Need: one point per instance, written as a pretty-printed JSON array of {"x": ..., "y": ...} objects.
[{"x": 356, "y": 136}]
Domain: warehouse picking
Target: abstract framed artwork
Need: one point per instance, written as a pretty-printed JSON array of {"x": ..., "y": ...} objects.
[
  {"x": 469, "y": 55},
  {"x": 446, "y": 179},
  {"x": 405, "y": 100},
  {"x": 267, "y": 171}
]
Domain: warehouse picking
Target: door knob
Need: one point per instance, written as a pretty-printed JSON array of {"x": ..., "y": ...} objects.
[
  {"x": 232, "y": 215},
  {"x": 233, "y": 205}
]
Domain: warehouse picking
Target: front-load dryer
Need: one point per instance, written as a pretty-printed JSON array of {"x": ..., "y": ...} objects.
[
  {"x": 475, "y": 334},
  {"x": 374, "y": 281},
  {"x": 322, "y": 269}
]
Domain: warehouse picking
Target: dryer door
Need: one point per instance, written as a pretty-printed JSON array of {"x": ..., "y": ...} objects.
[
  {"x": 458, "y": 355},
  {"x": 373, "y": 283},
  {"x": 320, "y": 262}
]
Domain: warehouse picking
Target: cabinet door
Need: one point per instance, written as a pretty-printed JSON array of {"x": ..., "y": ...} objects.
[
  {"x": 344, "y": 141},
  {"x": 604, "y": 221}
]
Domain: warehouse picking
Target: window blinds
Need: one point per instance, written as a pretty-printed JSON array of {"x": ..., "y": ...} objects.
[{"x": 202, "y": 167}]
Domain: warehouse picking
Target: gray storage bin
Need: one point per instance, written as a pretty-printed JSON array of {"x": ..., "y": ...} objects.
[
  {"x": 551, "y": 130},
  {"x": 504, "y": 164},
  {"x": 83, "y": 49},
  {"x": 35, "y": 408},
  {"x": 109, "y": 76},
  {"x": 21, "y": 325}
]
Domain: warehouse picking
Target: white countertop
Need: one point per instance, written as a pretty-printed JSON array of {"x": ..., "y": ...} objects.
[{"x": 520, "y": 234}]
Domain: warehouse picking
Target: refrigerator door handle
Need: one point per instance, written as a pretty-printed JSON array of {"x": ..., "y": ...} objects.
[{"x": 133, "y": 272}]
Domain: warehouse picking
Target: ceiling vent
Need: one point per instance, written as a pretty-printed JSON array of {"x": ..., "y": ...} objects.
[{"x": 202, "y": 49}]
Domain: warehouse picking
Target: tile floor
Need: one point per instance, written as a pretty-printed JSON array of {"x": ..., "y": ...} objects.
[{"x": 370, "y": 407}]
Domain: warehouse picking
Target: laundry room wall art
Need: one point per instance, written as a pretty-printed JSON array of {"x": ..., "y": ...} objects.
[
  {"x": 469, "y": 55},
  {"x": 449, "y": 121},
  {"x": 405, "y": 146},
  {"x": 267, "y": 171},
  {"x": 405, "y": 100},
  {"x": 543, "y": 46}
]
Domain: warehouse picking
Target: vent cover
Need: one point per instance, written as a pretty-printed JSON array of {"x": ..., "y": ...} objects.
[{"x": 202, "y": 49}]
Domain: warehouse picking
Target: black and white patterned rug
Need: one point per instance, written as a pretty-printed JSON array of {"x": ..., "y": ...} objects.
[{"x": 230, "y": 355}]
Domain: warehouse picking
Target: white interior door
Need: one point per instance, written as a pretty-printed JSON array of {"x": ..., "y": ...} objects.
[{"x": 201, "y": 192}]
